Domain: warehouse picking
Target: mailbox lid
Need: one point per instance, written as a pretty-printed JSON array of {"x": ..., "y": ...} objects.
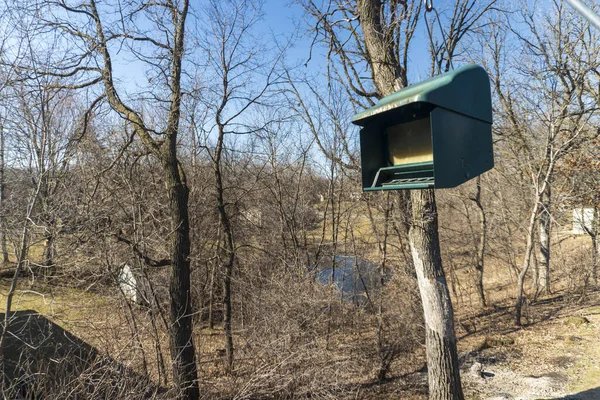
[{"x": 465, "y": 90}]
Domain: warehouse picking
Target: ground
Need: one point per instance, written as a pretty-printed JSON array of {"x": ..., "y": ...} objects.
[
  {"x": 553, "y": 359},
  {"x": 555, "y": 355}
]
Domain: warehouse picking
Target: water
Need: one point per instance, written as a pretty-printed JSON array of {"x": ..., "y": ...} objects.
[{"x": 353, "y": 277}]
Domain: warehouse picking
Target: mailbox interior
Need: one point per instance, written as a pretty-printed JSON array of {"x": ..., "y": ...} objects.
[{"x": 403, "y": 141}]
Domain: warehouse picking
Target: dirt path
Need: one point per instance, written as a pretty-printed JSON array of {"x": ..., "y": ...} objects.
[{"x": 555, "y": 359}]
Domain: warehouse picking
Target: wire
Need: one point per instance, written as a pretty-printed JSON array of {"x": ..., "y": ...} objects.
[
  {"x": 439, "y": 67},
  {"x": 437, "y": 16},
  {"x": 428, "y": 8}
]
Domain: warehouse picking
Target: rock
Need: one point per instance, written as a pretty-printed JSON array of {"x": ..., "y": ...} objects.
[{"x": 477, "y": 370}]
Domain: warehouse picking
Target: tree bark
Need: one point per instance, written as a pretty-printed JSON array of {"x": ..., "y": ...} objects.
[
  {"x": 442, "y": 355},
  {"x": 543, "y": 283},
  {"x": 481, "y": 246},
  {"x": 229, "y": 252},
  {"x": 596, "y": 244},
  {"x": 3, "y": 248},
  {"x": 388, "y": 75},
  {"x": 183, "y": 357}
]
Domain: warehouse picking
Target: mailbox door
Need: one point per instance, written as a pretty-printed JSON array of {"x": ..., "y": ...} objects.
[
  {"x": 372, "y": 154},
  {"x": 462, "y": 147}
]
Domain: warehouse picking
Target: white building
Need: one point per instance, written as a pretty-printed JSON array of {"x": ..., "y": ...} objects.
[
  {"x": 582, "y": 219},
  {"x": 128, "y": 283}
]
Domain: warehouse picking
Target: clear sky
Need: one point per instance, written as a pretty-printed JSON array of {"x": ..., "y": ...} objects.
[{"x": 283, "y": 16}]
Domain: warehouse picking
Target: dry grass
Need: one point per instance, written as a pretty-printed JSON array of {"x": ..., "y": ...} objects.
[{"x": 278, "y": 357}]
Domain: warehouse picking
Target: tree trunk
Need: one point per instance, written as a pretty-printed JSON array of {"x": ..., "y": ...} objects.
[
  {"x": 539, "y": 194},
  {"x": 526, "y": 261},
  {"x": 229, "y": 251},
  {"x": 180, "y": 335},
  {"x": 211, "y": 293},
  {"x": 48, "y": 262},
  {"x": 227, "y": 311},
  {"x": 211, "y": 298},
  {"x": 481, "y": 246},
  {"x": 3, "y": 248},
  {"x": 596, "y": 244},
  {"x": 181, "y": 341},
  {"x": 543, "y": 283},
  {"x": 442, "y": 355},
  {"x": 386, "y": 356}
]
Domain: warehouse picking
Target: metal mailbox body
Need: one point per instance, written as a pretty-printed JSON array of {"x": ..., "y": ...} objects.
[{"x": 434, "y": 134}]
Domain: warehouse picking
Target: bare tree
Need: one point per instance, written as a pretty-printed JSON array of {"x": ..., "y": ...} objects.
[
  {"x": 387, "y": 29},
  {"x": 162, "y": 52},
  {"x": 479, "y": 266},
  {"x": 565, "y": 117},
  {"x": 544, "y": 118},
  {"x": 582, "y": 171},
  {"x": 246, "y": 73}
]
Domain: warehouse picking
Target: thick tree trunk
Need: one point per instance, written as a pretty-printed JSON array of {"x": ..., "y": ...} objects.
[
  {"x": 183, "y": 358},
  {"x": 481, "y": 245},
  {"x": 180, "y": 335},
  {"x": 442, "y": 355},
  {"x": 387, "y": 73},
  {"x": 543, "y": 282}
]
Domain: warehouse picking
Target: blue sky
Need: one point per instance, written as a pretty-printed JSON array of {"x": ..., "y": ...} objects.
[{"x": 281, "y": 16}]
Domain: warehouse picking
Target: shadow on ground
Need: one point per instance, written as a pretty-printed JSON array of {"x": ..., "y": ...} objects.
[
  {"x": 42, "y": 360},
  {"x": 499, "y": 319},
  {"x": 592, "y": 394}
]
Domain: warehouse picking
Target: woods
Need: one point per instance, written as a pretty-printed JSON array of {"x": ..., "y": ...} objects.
[{"x": 180, "y": 190}]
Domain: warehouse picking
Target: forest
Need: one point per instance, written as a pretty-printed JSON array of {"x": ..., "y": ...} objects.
[{"x": 182, "y": 213}]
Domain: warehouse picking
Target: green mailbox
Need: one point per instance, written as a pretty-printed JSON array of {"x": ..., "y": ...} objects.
[{"x": 434, "y": 134}]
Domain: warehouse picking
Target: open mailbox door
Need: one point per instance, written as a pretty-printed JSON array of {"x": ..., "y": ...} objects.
[{"x": 434, "y": 134}]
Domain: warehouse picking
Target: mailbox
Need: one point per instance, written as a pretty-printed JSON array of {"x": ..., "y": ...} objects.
[{"x": 434, "y": 134}]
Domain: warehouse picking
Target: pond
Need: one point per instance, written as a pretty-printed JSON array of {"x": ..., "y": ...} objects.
[{"x": 353, "y": 277}]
